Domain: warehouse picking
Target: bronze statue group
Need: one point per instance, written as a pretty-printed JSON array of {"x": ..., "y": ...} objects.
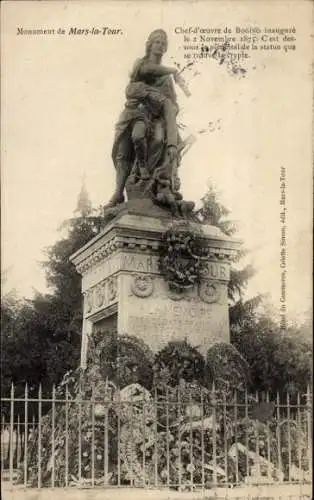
[{"x": 147, "y": 145}]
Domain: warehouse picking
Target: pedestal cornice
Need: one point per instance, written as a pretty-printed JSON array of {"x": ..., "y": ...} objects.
[{"x": 142, "y": 234}]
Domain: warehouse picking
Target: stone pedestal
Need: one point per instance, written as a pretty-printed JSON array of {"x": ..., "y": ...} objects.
[{"x": 124, "y": 291}]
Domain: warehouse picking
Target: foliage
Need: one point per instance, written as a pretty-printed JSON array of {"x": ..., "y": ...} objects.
[
  {"x": 227, "y": 368},
  {"x": 61, "y": 311},
  {"x": 279, "y": 360},
  {"x": 214, "y": 212},
  {"x": 23, "y": 341},
  {"x": 241, "y": 310},
  {"x": 41, "y": 337}
]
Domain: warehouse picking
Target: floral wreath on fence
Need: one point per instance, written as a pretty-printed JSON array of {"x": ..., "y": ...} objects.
[{"x": 182, "y": 256}]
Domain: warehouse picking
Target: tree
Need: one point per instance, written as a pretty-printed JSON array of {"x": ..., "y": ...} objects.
[
  {"x": 23, "y": 341},
  {"x": 279, "y": 360},
  {"x": 41, "y": 338},
  {"x": 213, "y": 212},
  {"x": 61, "y": 310}
]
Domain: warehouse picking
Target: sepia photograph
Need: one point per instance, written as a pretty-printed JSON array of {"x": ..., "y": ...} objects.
[{"x": 156, "y": 249}]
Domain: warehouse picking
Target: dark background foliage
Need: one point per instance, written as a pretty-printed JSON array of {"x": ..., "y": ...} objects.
[{"x": 41, "y": 337}]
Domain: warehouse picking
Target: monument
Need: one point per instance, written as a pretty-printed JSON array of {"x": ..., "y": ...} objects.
[{"x": 154, "y": 270}]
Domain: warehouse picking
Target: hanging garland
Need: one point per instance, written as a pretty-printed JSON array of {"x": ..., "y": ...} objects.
[{"x": 182, "y": 256}]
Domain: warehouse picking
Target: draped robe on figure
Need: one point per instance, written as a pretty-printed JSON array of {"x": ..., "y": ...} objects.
[{"x": 159, "y": 136}]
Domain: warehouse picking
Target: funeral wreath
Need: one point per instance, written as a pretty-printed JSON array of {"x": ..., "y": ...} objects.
[{"x": 182, "y": 256}]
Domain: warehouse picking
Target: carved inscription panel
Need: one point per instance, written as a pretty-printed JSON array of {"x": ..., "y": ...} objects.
[
  {"x": 142, "y": 263},
  {"x": 149, "y": 264},
  {"x": 157, "y": 319}
]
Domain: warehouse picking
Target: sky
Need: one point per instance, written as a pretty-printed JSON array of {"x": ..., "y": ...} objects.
[{"x": 61, "y": 96}]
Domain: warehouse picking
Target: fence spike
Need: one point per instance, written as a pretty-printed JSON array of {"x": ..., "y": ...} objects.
[
  {"x": 257, "y": 446},
  {"x": 11, "y": 433},
  {"x": 25, "y": 433},
  {"x": 66, "y": 435},
  {"x": 168, "y": 431},
  {"x": 131, "y": 403},
  {"x": 246, "y": 416},
  {"x": 106, "y": 443},
  {"x": 93, "y": 433},
  {"x": 33, "y": 425},
  {"x": 18, "y": 441},
  {"x": 299, "y": 432},
  {"x": 236, "y": 434},
  {"x": 191, "y": 437},
  {"x": 202, "y": 439},
  {"x": 79, "y": 401},
  {"x": 53, "y": 417},
  {"x": 39, "y": 435},
  {"x": 214, "y": 438},
  {"x": 144, "y": 439},
  {"x": 289, "y": 434},
  {"x": 3, "y": 457},
  {"x": 179, "y": 436},
  {"x": 268, "y": 440},
  {"x": 119, "y": 437},
  {"x": 309, "y": 427},
  {"x": 156, "y": 437},
  {"x": 308, "y": 396}
]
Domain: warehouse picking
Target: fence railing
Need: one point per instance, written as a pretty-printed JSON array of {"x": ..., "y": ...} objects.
[{"x": 165, "y": 438}]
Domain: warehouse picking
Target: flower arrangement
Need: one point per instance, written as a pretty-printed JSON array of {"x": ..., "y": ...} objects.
[{"x": 182, "y": 256}]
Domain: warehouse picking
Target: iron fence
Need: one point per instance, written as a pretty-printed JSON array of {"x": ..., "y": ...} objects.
[{"x": 168, "y": 438}]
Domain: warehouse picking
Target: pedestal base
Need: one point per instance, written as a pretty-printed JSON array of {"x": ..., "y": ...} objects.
[{"x": 124, "y": 290}]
